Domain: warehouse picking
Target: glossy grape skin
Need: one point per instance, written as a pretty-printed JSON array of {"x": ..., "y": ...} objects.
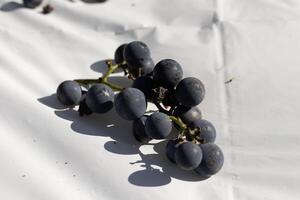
[
  {"x": 188, "y": 155},
  {"x": 138, "y": 59},
  {"x": 32, "y": 3},
  {"x": 167, "y": 73},
  {"x": 136, "y": 50},
  {"x": 69, "y": 93},
  {"x": 187, "y": 114},
  {"x": 138, "y": 127},
  {"x": 207, "y": 131},
  {"x": 119, "y": 54},
  {"x": 171, "y": 148},
  {"x": 190, "y": 91},
  {"x": 144, "y": 67},
  {"x": 145, "y": 84},
  {"x": 212, "y": 162},
  {"x": 158, "y": 125},
  {"x": 99, "y": 98},
  {"x": 130, "y": 103}
]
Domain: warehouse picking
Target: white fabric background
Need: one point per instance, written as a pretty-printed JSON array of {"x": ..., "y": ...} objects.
[{"x": 48, "y": 153}]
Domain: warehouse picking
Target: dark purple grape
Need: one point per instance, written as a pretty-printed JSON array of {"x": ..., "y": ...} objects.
[
  {"x": 32, "y": 3},
  {"x": 171, "y": 148},
  {"x": 130, "y": 104},
  {"x": 188, "y": 155},
  {"x": 135, "y": 50},
  {"x": 158, "y": 125},
  {"x": 144, "y": 67},
  {"x": 138, "y": 128},
  {"x": 212, "y": 161},
  {"x": 99, "y": 98},
  {"x": 119, "y": 54},
  {"x": 167, "y": 73},
  {"x": 190, "y": 91},
  {"x": 145, "y": 84},
  {"x": 138, "y": 59},
  {"x": 187, "y": 114},
  {"x": 69, "y": 93},
  {"x": 205, "y": 130}
]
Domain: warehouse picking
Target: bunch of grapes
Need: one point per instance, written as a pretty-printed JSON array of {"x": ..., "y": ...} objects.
[{"x": 163, "y": 85}]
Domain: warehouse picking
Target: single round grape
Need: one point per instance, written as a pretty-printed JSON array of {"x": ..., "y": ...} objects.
[
  {"x": 69, "y": 93},
  {"x": 167, "y": 73},
  {"x": 212, "y": 161},
  {"x": 142, "y": 68},
  {"x": 205, "y": 130},
  {"x": 136, "y": 50},
  {"x": 190, "y": 91},
  {"x": 99, "y": 98},
  {"x": 145, "y": 84},
  {"x": 138, "y": 59},
  {"x": 171, "y": 148},
  {"x": 188, "y": 155},
  {"x": 130, "y": 104},
  {"x": 32, "y": 3},
  {"x": 119, "y": 54},
  {"x": 187, "y": 114},
  {"x": 170, "y": 98},
  {"x": 138, "y": 127},
  {"x": 158, "y": 125}
]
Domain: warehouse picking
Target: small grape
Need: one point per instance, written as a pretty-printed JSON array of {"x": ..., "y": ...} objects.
[
  {"x": 167, "y": 73},
  {"x": 158, "y": 125},
  {"x": 190, "y": 91},
  {"x": 99, "y": 98},
  {"x": 130, "y": 104},
  {"x": 135, "y": 50},
  {"x": 32, "y": 3},
  {"x": 205, "y": 130},
  {"x": 171, "y": 148},
  {"x": 188, "y": 155},
  {"x": 187, "y": 114},
  {"x": 212, "y": 161},
  {"x": 119, "y": 54},
  {"x": 69, "y": 93},
  {"x": 138, "y": 59},
  {"x": 138, "y": 128},
  {"x": 143, "y": 68}
]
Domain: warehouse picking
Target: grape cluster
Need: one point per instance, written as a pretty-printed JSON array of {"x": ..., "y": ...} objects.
[{"x": 163, "y": 85}]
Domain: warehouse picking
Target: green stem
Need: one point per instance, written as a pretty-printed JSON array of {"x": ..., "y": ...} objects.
[
  {"x": 181, "y": 133},
  {"x": 182, "y": 126},
  {"x": 104, "y": 79},
  {"x": 183, "y": 129},
  {"x": 178, "y": 122},
  {"x": 111, "y": 69}
]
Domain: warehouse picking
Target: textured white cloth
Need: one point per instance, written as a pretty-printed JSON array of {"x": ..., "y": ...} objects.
[{"x": 48, "y": 153}]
